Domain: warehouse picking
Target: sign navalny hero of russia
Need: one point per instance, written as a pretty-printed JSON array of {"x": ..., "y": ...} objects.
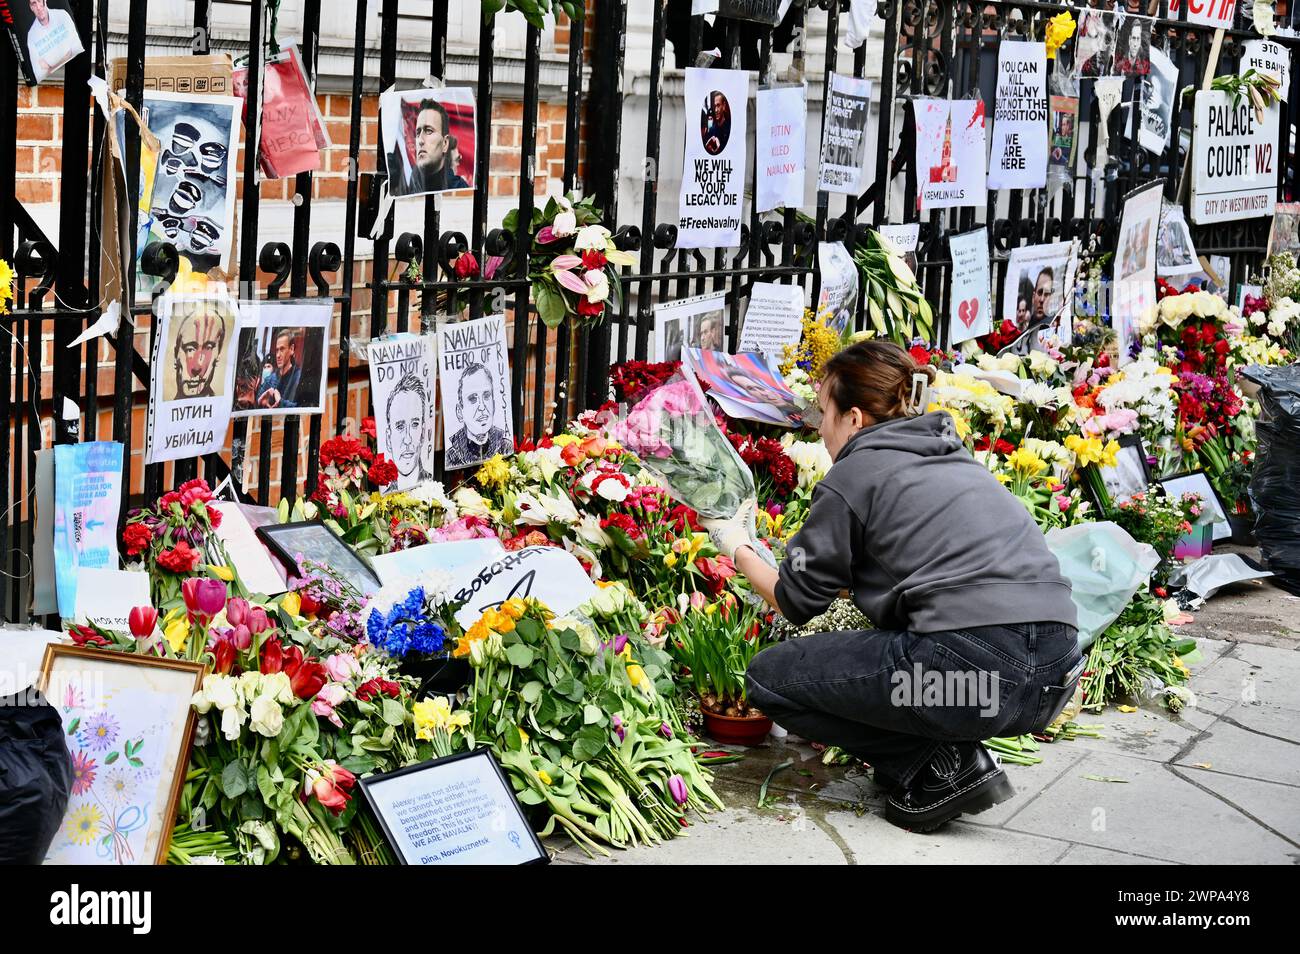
[{"x": 1234, "y": 159}]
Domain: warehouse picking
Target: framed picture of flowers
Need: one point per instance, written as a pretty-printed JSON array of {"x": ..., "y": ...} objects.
[{"x": 127, "y": 722}]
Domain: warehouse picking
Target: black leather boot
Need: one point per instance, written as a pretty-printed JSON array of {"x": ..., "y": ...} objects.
[{"x": 960, "y": 779}]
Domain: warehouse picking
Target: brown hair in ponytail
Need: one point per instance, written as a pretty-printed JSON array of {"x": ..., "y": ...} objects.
[{"x": 874, "y": 376}]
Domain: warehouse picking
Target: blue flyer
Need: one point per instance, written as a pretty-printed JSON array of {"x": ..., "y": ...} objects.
[{"x": 87, "y": 499}]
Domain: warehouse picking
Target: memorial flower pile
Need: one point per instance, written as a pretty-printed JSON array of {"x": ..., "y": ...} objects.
[{"x": 589, "y": 714}]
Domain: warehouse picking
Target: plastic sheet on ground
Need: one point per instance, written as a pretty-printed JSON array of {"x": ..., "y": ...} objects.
[{"x": 1206, "y": 576}]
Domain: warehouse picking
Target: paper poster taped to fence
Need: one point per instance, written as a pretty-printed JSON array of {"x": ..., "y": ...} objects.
[
  {"x": 839, "y": 291},
  {"x": 905, "y": 237},
  {"x": 971, "y": 313},
  {"x": 282, "y": 361},
  {"x": 293, "y": 137},
  {"x": 1094, "y": 44},
  {"x": 698, "y": 322},
  {"x": 1065, "y": 118},
  {"x": 1271, "y": 57},
  {"x": 474, "y": 371},
  {"x": 1159, "y": 93},
  {"x": 1175, "y": 252},
  {"x": 1211, "y": 13},
  {"x": 192, "y": 199},
  {"x": 87, "y": 500},
  {"x": 773, "y": 319},
  {"x": 430, "y": 138},
  {"x": 713, "y": 175},
  {"x": 402, "y": 379},
  {"x": 1234, "y": 159},
  {"x": 43, "y": 35},
  {"x": 950, "y": 157},
  {"x": 1019, "y": 156},
  {"x": 1133, "y": 46},
  {"x": 1039, "y": 279},
  {"x": 844, "y": 135},
  {"x": 193, "y": 376},
  {"x": 780, "y": 132},
  {"x": 1135, "y": 264}
]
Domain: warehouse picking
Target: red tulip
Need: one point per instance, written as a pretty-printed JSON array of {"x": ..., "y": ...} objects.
[
  {"x": 223, "y": 657},
  {"x": 142, "y": 620},
  {"x": 307, "y": 678},
  {"x": 340, "y": 776},
  {"x": 86, "y": 636},
  {"x": 272, "y": 657},
  {"x": 309, "y": 604}
]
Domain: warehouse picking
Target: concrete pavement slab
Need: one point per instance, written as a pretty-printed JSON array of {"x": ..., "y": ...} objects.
[
  {"x": 872, "y": 840},
  {"x": 1154, "y": 812},
  {"x": 1236, "y": 750},
  {"x": 1276, "y": 806},
  {"x": 1088, "y": 855}
]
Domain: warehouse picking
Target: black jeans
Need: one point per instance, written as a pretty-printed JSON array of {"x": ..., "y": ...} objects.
[{"x": 891, "y": 698}]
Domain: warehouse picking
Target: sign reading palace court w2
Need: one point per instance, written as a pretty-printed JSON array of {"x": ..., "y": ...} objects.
[{"x": 1234, "y": 162}]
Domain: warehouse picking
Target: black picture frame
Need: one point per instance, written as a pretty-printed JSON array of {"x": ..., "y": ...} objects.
[
  {"x": 340, "y": 558},
  {"x": 540, "y": 856},
  {"x": 1096, "y": 490},
  {"x": 1220, "y": 529}
]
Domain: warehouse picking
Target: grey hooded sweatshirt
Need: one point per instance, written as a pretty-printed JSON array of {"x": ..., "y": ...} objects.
[{"x": 924, "y": 537}]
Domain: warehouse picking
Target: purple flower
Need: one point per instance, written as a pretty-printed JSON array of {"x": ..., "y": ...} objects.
[
  {"x": 666, "y": 730},
  {"x": 677, "y": 789},
  {"x": 618, "y": 726}
]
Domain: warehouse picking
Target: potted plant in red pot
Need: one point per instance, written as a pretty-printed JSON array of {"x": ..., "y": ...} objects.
[{"x": 713, "y": 643}]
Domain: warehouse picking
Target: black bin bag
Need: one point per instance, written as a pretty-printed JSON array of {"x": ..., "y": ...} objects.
[
  {"x": 1275, "y": 483},
  {"x": 35, "y": 777}
]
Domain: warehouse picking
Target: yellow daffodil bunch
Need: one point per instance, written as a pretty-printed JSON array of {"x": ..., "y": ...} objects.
[
  {"x": 1059, "y": 29},
  {"x": 1025, "y": 462},
  {"x": 6, "y": 286},
  {"x": 436, "y": 722},
  {"x": 1091, "y": 450}
]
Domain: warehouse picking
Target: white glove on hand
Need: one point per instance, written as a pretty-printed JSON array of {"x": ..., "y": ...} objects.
[{"x": 730, "y": 533}]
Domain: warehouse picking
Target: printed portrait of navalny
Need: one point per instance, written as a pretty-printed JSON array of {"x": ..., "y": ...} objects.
[
  {"x": 480, "y": 435},
  {"x": 408, "y": 418},
  {"x": 429, "y": 137},
  {"x": 199, "y": 333}
]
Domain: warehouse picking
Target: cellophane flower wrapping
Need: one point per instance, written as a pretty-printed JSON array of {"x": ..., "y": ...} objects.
[{"x": 673, "y": 431}]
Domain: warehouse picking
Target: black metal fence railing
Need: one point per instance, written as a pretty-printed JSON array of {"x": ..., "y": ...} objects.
[{"x": 927, "y": 47}]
